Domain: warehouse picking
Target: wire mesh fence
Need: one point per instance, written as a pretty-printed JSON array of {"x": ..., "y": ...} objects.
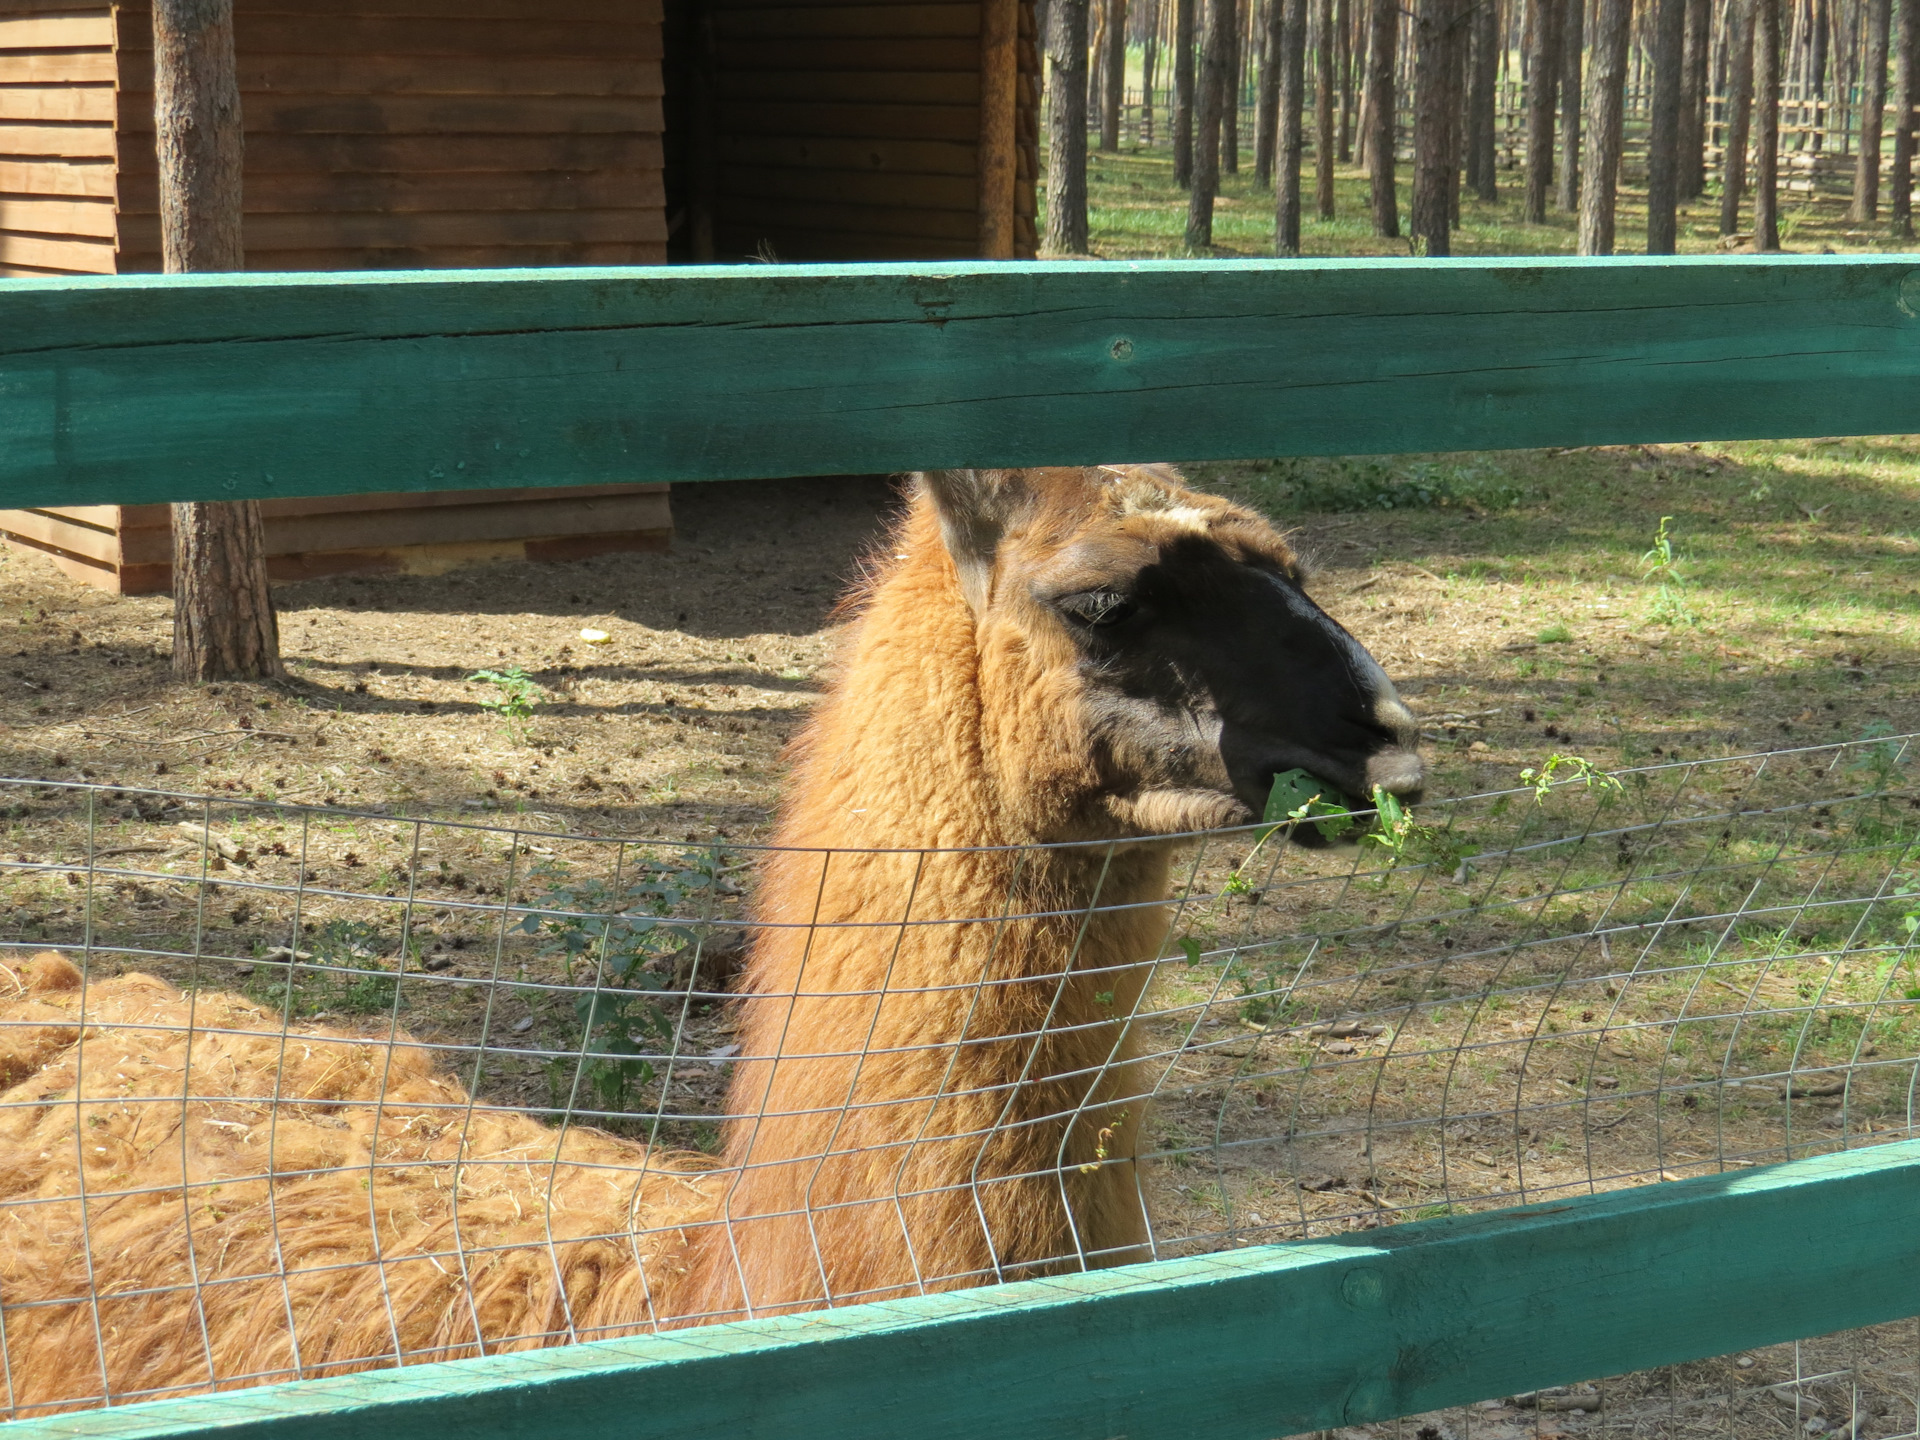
[{"x": 313, "y": 1090}]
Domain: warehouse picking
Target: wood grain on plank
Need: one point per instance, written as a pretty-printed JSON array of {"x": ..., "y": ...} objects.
[
  {"x": 64, "y": 253},
  {"x": 435, "y": 257},
  {"x": 56, "y": 102},
  {"x": 77, "y": 141},
  {"x": 472, "y": 115},
  {"x": 1239, "y": 1345},
  {"x": 904, "y": 122},
  {"x": 902, "y": 192},
  {"x": 749, "y": 243},
  {"x": 901, "y": 157},
  {"x": 80, "y": 28},
  {"x": 59, "y": 67},
  {"x": 426, "y": 191},
  {"x": 428, "y": 75},
  {"x": 854, "y": 87},
  {"x": 703, "y": 373},
  {"x": 362, "y": 34},
  {"x": 855, "y": 22},
  {"x": 58, "y": 177},
  {"x": 959, "y": 55},
  {"x": 776, "y": 215},
  {"x": 92, "y": 218},
  {"x": 490, "y": 154}
]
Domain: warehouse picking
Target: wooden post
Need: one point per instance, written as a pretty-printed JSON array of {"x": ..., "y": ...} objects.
[
  {"x": 999, "y": 162},
  {"x": 223, "y": 621}
]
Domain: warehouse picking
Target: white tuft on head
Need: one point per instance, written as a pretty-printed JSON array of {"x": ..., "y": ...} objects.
[{"x": 1156, "y": 490}]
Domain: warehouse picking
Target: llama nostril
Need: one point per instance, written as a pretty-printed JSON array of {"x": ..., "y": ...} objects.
[{"x": 1400, "y": 773}]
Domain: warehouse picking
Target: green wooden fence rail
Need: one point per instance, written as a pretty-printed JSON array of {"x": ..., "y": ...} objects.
[
  {"x": 144, "y": 388},
  {"x": 134, "y": 389},
  {"x": 1244, "y": 1345}
]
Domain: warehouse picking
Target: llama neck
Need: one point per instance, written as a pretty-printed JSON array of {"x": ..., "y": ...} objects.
[{"x": 926, "y": 1010}]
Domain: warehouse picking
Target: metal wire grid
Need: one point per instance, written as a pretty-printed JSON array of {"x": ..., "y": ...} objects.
[{"x": 1597, "y": 982}]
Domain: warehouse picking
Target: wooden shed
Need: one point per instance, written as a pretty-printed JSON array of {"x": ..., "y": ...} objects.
[{"x": 462, "y": 133}]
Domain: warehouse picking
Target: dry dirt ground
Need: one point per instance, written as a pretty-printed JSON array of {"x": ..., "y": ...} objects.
[{"x": 1514, "y": 598}]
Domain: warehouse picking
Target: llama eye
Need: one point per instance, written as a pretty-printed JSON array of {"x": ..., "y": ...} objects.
[{"x": 1097, "y": 607}]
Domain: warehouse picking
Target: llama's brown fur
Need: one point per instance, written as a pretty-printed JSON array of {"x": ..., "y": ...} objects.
[
  {"x": 918, "y": 1105},
  {"x": 487, "y": 1220}
]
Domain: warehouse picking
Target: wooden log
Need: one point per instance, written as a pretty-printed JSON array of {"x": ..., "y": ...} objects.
[
  {"x": 87, "y": 29},
  {"x": 490, "y": 154},
  {"x": 864, "y": 22},
  {"x": 1239, "y": 1345},
  {"x": 999, "y": 75},
  {"x": 136, "y": 390},
  {"x": 269, "y": 33},
  {"x": 399, "y": 193},
  {"x": 79, "y": 142},
  {"x": 61, "y": 253},
  {"x": 362, "y": 75},
  {"x": 277, "y": 114},
  {"x": 851, "y": 87}
]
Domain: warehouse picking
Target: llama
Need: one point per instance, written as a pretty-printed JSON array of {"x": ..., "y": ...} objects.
[{"x": 1054, "y": 675}]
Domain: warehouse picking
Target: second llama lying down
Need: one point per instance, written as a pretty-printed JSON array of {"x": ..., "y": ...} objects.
[{"x": 937, "y": 1084}]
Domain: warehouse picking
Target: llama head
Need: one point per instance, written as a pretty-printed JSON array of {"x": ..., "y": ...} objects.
[{"x": 1160, "y": 651}]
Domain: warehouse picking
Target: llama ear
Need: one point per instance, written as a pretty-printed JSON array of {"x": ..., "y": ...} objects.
[{"x": 975, "y": 508}]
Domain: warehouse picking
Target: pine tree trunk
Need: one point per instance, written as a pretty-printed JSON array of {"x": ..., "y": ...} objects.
[
  {"x": 1290, "y": 139},
  {"x": 1230, "y": 98},
  {"x": 1691, "y": 175},
  {"x": 1343, "y": 63},
  {"x": 1817, "y": 73},
  {"x": 1206, "y": 138},
  {"x": 1733, "y": 181},
  {"x": 1114, "y": 90},
  {"x": 1067, "y": 128},
  {"x": 1606, "y": 116},
  {"x": 1663, "y": 139},
  {"x": 1543, "y": 94},
  {"x": 1482, "y": 122},
  {"x": 1267, "y": 107},
  {"x": 1383, "y": 18},
  {"x": 1905, "y": 58},
  {"x": 223, "y": 621},
  {"x": 1149, "y": 59},
  {"x": 1873, "y": 104},
  {"x": 1572, "y": 45},
  {"x": 1766, "y": 125},
  {"x": 1436, "y": 104},
  {"x": 1183, "y": 98},
  {"x": 1324, "y": 98}
]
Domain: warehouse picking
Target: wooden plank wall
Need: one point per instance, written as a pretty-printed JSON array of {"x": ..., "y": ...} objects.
[
  {"x": 128, "y": 549},
  {"x": 850, "y": 131},
  {"x": 56, "y": 138},
  {"x": 1026, "y": 211},
  {"x": 426, "y": 133}
]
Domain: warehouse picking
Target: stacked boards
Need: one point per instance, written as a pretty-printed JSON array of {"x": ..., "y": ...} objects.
[
  {"x": 903, "y": 130},
  {"x": 56, "y": 140},
  {"x": 425, "y": 133}
]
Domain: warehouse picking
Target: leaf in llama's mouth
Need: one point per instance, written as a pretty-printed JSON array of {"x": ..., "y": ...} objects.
[{"x": 1297, "y": 795}]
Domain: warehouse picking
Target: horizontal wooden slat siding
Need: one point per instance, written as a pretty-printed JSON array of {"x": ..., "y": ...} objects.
[
  {"x": 424, "y": 133},
  {"x": 425, "y": 114},
  {"x": 847, "y": 130},
  {"x": 262, "y": 30},
  {"x": 455, "y": 257},
  {"x": 73, "y": 28},
  {"x": 855, "y": 87},
  {"x": 866, "y": 157},
  {"x": 852, "y": 22},
  {"x": 904, "y": 192},
  {"x": 448, "y": 75},
  {"x": 474, "y": 154},
  {"x": 70, "y": 142},
  {"x": 91, "y": 218},
  {"x": 428, "y": 190},
  {"x": 60, "y": 254},
  {"x": 56, "y": 139}
]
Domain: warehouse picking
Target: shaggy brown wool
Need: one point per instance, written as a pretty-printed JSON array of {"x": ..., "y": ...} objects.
[{"x": 233, "y": 1240}]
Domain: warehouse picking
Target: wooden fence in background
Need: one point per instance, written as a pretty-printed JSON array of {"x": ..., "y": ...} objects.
[{"x": 146, "y": 389}]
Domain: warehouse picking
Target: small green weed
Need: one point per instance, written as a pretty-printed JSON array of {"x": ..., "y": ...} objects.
[
  {"x": 1661, "y": 564},
  {"x": 516, "y": 696},
  {"x": 1577, "y": 768},
  {"x": 618, "y": 932},
  {"x": 1555, "y": 635}
]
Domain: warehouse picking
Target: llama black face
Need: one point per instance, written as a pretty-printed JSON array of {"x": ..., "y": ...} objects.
[{"x": 1213, "y": 669}]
